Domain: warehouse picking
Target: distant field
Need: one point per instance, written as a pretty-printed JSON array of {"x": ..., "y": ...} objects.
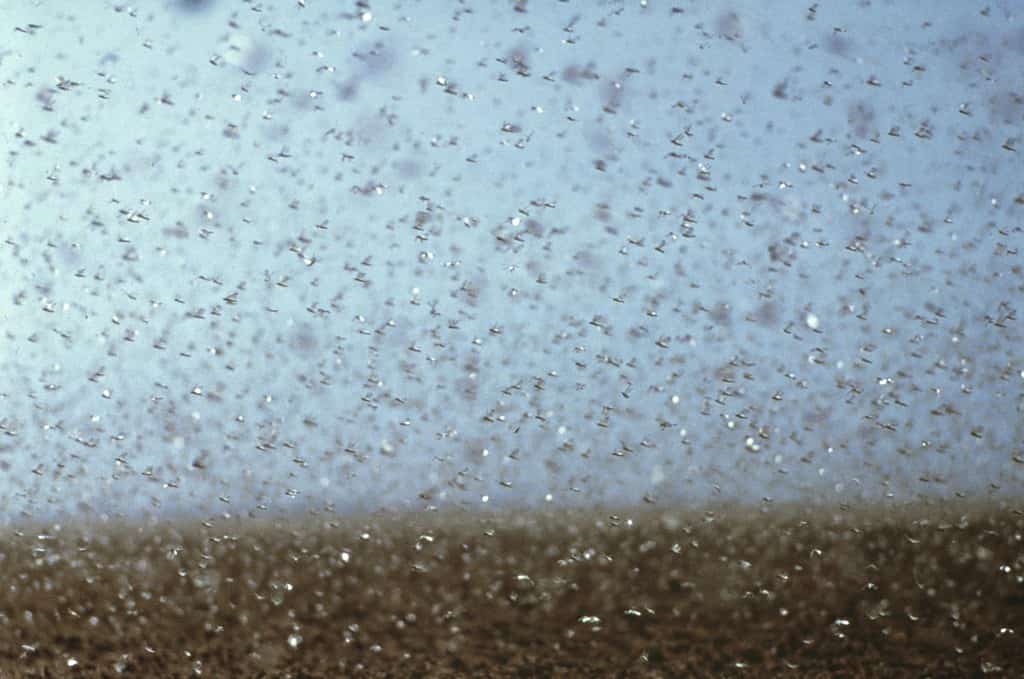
[{"x": 935, "y": 591}]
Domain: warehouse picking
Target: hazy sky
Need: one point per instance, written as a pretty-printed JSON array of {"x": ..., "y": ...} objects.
[{"x": 261, "y": 255}]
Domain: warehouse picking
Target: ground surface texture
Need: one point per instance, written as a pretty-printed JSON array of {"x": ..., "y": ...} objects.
[{"x": 923, "y": 591}]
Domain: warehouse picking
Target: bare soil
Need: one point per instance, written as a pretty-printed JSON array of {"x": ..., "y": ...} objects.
[{"x": 925, "y": 591}]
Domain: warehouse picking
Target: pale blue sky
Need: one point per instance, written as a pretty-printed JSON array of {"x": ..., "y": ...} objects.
[{"x": 422, "y": 253}]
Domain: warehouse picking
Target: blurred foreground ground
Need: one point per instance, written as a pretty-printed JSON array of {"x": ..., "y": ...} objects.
[{"x": 921, "y": 591}]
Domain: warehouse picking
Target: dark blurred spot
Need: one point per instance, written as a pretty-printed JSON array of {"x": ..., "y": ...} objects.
[
  {"x": 467, "y": 388},
  {"x": 837, "y": 44},
  {"x": 45, "y": 97},
  {"x": 782, "y": 253},
  {"x": 861, "y": 118},
  {"x": 518, "y": 58},
  {"x": 728, "y": 25},
  {"x": 585, "y": 259},
  {"x": 612, "y": 93},
  {"x": 303, "y": 339},
  {"x": 721, "y": 313},
  {"x": 1006, "y": 107},
  {"x": 815, "y": 417},
  {"x": 766, "y": 314},
  {"x": 534, "y": 228},
  {"x": 348, "y": 90},
  {"x": 409, "y": 168},
  {"x": 177, "y": 231},
  {"x": 254, "y": 58},
  {"x": 377, "y": 60},
  {"x": 194, "y": 6},
  {"x": 575, "y": 74}
]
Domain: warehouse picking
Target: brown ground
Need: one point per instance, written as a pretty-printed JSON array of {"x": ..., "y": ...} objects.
[{"x": 933, "y": 591}]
